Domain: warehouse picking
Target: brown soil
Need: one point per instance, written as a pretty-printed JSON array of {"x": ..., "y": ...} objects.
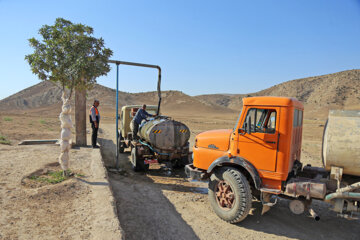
[
  {"x": 152, "y": 205},
  {"x": 44, "y": 176},
  {"x": 157, "y": 206},
  {"x": 67, "y": 210},
  {"x": 149, "y": 206}
]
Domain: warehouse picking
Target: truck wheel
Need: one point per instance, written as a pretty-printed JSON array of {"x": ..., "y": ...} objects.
[
  {"x": 121, "y": 148},
  {"x": 121, "y": 144},
  {"x": 137, "y": 162},
  {"x": 230, "y": 194}
]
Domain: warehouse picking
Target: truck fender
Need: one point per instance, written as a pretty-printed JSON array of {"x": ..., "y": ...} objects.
[{"x": 238, "y": 161}]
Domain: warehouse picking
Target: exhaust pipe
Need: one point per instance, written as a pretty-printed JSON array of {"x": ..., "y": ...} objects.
[{"x": 314, "y": 215}]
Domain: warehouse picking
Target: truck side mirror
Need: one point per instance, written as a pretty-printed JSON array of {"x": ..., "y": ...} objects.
[{"x": 248, "y": 125}]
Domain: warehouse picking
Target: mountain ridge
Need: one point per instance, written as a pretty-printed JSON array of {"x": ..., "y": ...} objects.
[{"x": 336, "y": 90}]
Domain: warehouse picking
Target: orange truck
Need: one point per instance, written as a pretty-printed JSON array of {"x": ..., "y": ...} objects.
[{"x": 260, "y": 158}]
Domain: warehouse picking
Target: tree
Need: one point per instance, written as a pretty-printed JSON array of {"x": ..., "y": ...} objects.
[{"x": 68, "y": 55}]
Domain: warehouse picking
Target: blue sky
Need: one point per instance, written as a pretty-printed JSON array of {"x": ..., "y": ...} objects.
[{"x": 202, "y": 46}]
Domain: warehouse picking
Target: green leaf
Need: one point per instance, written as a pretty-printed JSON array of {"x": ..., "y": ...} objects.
[{"x": 68, "y": 53}]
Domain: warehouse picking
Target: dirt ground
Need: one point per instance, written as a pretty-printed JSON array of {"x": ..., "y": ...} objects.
[
  {"x": 77, "y": 208},
  {"x": 157, "y": 206},
  {"x": 154, "y": 205}
]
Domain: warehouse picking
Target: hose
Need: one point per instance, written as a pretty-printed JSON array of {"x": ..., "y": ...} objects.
[
  {"x": 345, "y": 192},
  {"x": 350, "y": 188},
  {"x": 165, "y": 154},
  {"x": 342, "y": 195}
]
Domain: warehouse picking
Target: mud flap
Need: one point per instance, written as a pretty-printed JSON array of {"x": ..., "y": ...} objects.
[
  {"x": 266, "y": 202},
  {"x": 265, "y": 209}
]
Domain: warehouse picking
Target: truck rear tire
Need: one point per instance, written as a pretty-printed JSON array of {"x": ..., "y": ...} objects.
[
  {"x": 230, "y": 194},
  {"x": 137, "y": 162}
]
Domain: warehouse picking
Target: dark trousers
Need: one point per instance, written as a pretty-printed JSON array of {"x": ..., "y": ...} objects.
[
  {"x": 94, "y": 134},
  {"x": 135, "y": 130}
]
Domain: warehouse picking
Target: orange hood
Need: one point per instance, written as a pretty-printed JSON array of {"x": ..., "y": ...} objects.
[{"x": 214, "y": 139}]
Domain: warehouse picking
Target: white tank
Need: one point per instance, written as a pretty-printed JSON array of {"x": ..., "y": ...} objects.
[
  {"x": 341, "y": 141},
  {"x": 165, "y": 134}
]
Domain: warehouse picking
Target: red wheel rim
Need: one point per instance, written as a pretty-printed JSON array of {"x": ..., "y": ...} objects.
[{"x": 224, "y": 195}]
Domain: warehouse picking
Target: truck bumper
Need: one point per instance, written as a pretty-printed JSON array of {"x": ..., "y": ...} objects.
[{"x": 194, "y": 173}]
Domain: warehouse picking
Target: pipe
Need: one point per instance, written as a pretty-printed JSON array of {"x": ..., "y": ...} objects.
[
  {"x": 117, "y": 116},
  {"x": 148, "y": 66},
  {"x": 332, "y": 196},
  {"x": 166, "y": 154},
  {"x": 134, "y": 64},
  {"x": 345, "y": 192},
  {"x": 314, "y": 215},
  {"x": 159, "y": 91},
  {"x": 117, "y": 95},
  {"x": 350, "y": 188}
]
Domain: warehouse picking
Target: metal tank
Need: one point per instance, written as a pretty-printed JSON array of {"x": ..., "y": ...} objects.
[
  {"x": 341, "y": 141},
  {"x": 165, "y": 134}
]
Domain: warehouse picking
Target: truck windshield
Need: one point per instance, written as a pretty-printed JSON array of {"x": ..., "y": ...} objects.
[
  {"x": 151, "y": 111},
  {"x": 236, "y": 123},
  {"x": 262, "y": 120}
]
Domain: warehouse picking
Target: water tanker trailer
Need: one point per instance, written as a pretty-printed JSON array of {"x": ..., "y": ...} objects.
[
  {"x": 161, "y": 140},
  {"x": 260, "y": 158}
]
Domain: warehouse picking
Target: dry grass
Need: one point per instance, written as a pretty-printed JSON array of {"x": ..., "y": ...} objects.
[{"x": 4, "y": 140}]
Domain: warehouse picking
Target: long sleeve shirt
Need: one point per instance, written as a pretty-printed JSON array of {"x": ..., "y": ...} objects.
[{"x": 140, "y": 115}]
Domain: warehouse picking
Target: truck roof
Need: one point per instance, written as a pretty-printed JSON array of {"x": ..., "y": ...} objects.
[{"x": 273, "y": 101}]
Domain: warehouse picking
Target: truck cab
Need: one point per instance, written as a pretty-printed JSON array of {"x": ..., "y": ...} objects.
[
  {"x": 258, "y": 154},
  {"x": 126, "y": 115}
]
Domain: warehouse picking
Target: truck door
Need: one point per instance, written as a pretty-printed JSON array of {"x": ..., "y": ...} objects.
[{"x": 260, "y": 146}]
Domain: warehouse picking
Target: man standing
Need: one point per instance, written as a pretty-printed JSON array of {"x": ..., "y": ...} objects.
[
  {"x": 141, "y": 114},
  {"x": 95, "y": 121}
]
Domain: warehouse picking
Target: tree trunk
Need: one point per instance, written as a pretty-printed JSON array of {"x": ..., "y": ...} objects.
[
  {"x": 80, "y": 117},
  {"x": 66, "y": 125}
]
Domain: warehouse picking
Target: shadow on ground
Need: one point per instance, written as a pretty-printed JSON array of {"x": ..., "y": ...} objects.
[
  {"x": 92, "y": 183},
  {"x": 144, "y": 212},
  {"x": 281, "y": 222}
]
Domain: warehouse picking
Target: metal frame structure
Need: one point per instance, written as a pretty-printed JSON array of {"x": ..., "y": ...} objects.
[{"x": 117, "y": 95}]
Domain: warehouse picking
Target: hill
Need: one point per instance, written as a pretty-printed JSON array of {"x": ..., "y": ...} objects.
[
  {"x": 337, "y": 90},
  {"x": 46, "y": 97},
  {"x": 319, "y": 94}
]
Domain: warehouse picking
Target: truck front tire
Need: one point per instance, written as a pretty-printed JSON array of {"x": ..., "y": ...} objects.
[{"x": 230, "y": 194}]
